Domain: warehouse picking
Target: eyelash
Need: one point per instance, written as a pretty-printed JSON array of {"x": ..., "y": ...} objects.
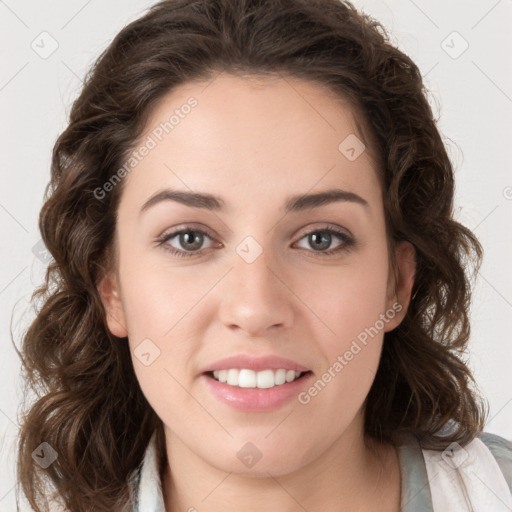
[{"x": 347, "y": 244}]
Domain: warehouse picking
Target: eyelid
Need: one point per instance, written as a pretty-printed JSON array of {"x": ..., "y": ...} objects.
[
  {"x": 191, "y": 226},
  {"x": 325, "y": 226}
]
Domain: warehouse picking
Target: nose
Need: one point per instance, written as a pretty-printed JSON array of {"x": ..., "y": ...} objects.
[{"x": 256, "y": 297}]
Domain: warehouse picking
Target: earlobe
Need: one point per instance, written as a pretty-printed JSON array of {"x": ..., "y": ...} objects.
[
  {"x": 400, "y": 288},
  {"x": 108, "y": 289}
]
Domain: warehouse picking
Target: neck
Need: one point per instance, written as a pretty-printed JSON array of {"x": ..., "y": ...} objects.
[{"x": 348, "y": 475}]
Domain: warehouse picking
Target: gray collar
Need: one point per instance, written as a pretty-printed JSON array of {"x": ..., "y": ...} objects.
[{"x": 415, "y": 494}]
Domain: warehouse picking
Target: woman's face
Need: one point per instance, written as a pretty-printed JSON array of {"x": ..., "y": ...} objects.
[{"x": 247, "y": 280}]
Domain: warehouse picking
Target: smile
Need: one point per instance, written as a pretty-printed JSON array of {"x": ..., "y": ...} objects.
[
  {"x": 265, "y": 379},
  {"x": 256, "y": 391}
]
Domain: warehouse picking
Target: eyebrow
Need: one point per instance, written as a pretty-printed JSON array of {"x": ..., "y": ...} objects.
[{"x": 293, "y": 204}]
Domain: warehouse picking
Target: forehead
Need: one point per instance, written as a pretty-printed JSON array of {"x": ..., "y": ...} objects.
[{"x": 240, "y": 136}]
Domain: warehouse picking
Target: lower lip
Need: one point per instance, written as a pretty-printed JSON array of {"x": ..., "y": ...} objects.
[{"x": 255, "y": 399}]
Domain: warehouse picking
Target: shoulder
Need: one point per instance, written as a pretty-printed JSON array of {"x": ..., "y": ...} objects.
[
  {"x": 501, "y": 449},
  {"x": 416, "y": 462}
]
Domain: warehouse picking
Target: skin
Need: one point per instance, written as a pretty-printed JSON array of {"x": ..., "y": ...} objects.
[{"x": 255, "y": 143}]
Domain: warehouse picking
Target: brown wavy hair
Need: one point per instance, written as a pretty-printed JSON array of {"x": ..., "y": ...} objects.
[{"x": 89, "y": 406}]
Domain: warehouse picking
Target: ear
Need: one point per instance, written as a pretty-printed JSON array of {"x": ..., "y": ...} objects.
[
  {"x": 110, "y": 294},
  {"x": 400, "y": 283}
]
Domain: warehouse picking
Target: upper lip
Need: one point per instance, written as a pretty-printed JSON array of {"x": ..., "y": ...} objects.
[{"x": 255, "y": 363}]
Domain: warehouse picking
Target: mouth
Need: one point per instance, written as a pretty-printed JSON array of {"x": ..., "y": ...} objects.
[
  {"x": 251, "y": 379},
  {"x": 241, "y": 390}
]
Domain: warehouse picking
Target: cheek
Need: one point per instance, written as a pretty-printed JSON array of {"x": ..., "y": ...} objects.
[
  {"x": 350, "y": 297},
  {"x": 350, "y": 301},
  {"x": 159, "y": 307},
  {"x": 158, "y": 296}
]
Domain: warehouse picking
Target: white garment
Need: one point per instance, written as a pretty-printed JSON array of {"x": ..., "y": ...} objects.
[
  {"x": 466, "y": 479},
  {"x": 149, "y": 493}
]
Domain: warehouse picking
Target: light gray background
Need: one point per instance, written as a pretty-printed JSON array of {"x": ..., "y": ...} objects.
[{"x": 472, "y": 92}]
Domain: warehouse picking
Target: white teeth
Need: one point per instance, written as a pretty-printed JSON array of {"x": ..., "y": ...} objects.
[
  {"x": 233, "y": 377},
  {"x": 264, "y": 379},
  {"x": 247, "y": 379},
  {"x": 280, "y": 377}
]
